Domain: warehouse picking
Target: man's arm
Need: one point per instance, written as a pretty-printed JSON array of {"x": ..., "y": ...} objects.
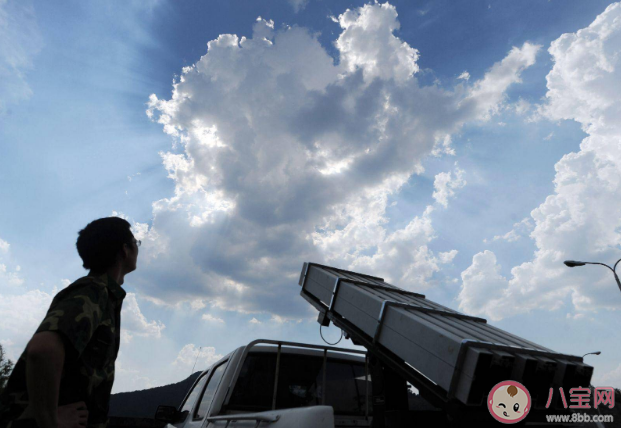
[
  {"x": 62, "y": 336},
  {"x": 45, "y": 360}
]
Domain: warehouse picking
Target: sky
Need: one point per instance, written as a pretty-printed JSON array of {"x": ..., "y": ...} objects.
[{"x": 459, "y": 149}]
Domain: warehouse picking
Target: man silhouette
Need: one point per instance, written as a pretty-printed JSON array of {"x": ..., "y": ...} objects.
[{"x": 64, "y": 376}]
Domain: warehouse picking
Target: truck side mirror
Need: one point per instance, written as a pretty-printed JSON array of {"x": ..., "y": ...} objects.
[{"x": 166, "y": 413}]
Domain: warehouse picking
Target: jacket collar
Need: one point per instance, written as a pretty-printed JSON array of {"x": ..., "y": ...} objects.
[
  {"x": 106, "y": 280},
  {"x": 116, "y": 290}
]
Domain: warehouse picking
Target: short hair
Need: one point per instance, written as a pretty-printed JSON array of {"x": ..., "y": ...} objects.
[{"x": 101, "y": 240}]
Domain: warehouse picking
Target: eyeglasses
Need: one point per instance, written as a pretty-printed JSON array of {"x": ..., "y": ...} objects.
[{"x": 138, "y": 242}]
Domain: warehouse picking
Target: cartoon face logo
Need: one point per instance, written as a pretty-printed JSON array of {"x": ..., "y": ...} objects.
[{"x": 508, "y": 402}]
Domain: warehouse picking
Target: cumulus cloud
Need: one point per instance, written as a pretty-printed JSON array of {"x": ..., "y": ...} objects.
[
  {"x": 580, "y": 220},
  {"x": 197, "y": 304},
  {"x": 135, "y": 323},
  {"x": 210, "y": 318},
  {"x": 129, "y": 379},
  {"x": 21, "y": 315},
  {"x": 519, "y": 230},
  {"x": 203, "y": 357},
  {"x": 4, "y": 246},
  {"x": 22, "y": 309},
  {"x": 402, "y": 257},
  {"x": 10, "y": 273},
  {"x": 443, "y": 146},
  {"x": 611, "y": 378},
  {"x": 20, "y": 41},
  {"x": 278, "y": 319},
  {"x": 284, "y": 156},
  {"x": 464, "y": 76},
  {"x": 483, "y": 286},
  {"x": 488, "y": 94},
  {"x": 23, "y": 312},
  {"x": 447, "y": 257},
  {"x": 584, "y": 84},
  {"x": 521, "y": 107},
  {"x": 368, "y": 43},
  {"x": 445, "y": 184}
]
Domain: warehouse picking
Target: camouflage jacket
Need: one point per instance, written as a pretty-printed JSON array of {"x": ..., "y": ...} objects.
[{"x": 87, "y": 313}]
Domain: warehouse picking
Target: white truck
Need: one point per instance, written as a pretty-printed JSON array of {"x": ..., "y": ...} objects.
[
  {"x": 452, "y": 359},
  {"x": 278, "y": 384}
]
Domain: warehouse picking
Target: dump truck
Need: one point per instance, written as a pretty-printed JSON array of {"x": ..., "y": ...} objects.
[{"x": 424, "y": 364}]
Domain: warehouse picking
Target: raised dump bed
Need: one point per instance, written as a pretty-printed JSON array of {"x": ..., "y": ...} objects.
[{"x": 451, "y": 354}]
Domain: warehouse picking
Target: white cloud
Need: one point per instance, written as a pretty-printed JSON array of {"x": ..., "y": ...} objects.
[
  {"x": 612, "y": 378},
  {"x": 197, "y": 304},
  {"x": 287, "y": 157},
  {"x": 576, "y": 316},
  {"x": 464, "y": 76},
  {"x": 510, "y": 236},
  {"x": 20, "y": 41},
  {"x": 488, "y": 93},
  {"x": 6, "y": 343},
  {"x": 212, "y": 319},
  {"x": 442, "y": 146},
  {"x": 130, "y": 177},
  {"x": 580, "y": 220},
  {"x": 584, "y": 84},
  {"x": 255, "y": 321},
  {"x": 22, "y": 309},
  {"x": 129, "y": 379},
  {"x": 21, "y": 315},
  {"x": 445, "y": 184},
  {"x": 203, "y": 357},
  {"x": 483, "y": 287},
  {"x": 135, "y": 323},
  {"x": 486, "y": 292},
  {"x": 521, "y": 107},
  {"x": 404, "y": 257},
  {"x": 10, "y": 277},
  {"x": 368, "y": 43},
  {"x": 278, "y": 319},
  {"x": 519, "y": 230},
  {"x": 23, "y": 312},
  {"x": 447, "y": 257},
  {"x": 4, "y": 246}
]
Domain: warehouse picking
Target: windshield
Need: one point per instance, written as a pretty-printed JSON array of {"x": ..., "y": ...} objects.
[{"x": 300, "y": 384}]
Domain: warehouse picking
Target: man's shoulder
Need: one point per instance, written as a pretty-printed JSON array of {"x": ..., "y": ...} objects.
[
  {"x": 92, "y": 287},
  {"x": 100, "y": 281}
]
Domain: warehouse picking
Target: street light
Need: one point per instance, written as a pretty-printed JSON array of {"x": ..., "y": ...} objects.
[
  {"x": 574, "y": 263},
  {"x": 592, "y": 353}
]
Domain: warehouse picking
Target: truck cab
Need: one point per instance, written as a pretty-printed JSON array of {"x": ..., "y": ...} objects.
[{"x": 278, "y": 384}]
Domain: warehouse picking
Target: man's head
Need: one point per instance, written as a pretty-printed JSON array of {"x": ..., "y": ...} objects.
[{"x": 106, "y": 242}]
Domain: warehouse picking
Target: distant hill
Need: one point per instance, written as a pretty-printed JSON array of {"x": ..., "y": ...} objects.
[{"x": 143, "y": 403}]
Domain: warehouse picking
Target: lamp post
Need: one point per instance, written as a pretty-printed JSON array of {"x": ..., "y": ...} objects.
[
  {"x": 574, "y": 263},
  {"x": 592, "y": 353}
]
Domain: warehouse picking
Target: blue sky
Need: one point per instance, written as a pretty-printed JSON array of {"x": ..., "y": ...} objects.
[{"x": 318, "y": 138}]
